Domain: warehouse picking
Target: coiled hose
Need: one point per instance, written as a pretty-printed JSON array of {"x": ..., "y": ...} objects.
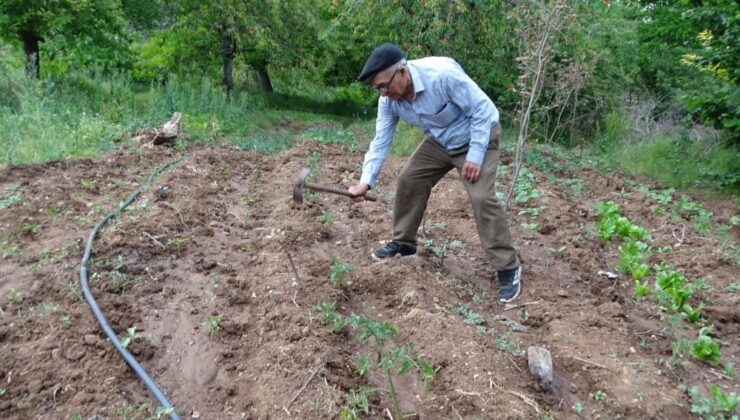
[{"x": 130, "y": 359}]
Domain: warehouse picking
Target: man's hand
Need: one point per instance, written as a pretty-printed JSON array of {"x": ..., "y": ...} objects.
[
  {"x": 471, "y": 171},
  {"x": 358, "y": 191}
]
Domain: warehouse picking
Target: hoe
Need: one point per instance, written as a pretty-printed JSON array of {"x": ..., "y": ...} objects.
[{"x": 301, "y": 184}]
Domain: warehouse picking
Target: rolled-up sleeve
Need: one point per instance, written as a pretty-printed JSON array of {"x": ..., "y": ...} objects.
[
  {"x": 385, "y": 128},
  {"x": 479, "y": 108}
]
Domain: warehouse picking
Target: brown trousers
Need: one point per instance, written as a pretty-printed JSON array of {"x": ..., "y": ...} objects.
[{"x": 429, "y": 163}]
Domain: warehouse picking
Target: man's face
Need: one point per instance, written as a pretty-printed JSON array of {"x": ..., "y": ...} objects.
[{"x": 388, "y": 82}]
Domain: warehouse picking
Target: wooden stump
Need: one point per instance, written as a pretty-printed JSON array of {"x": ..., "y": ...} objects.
[{"x": 160, "y": 135}]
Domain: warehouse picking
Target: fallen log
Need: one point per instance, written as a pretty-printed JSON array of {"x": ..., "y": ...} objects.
[{"x": 160, "y": 135}]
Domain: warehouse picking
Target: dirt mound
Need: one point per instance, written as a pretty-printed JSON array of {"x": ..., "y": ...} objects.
[{"x": 200, "y": 265}]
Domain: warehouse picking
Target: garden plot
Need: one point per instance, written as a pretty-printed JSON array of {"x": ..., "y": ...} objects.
[{"x": 241, "y": 303}]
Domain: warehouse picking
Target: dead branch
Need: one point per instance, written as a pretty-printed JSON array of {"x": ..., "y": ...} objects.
[
  {"x": 303, "y": 388},
  {"x": 154, "y": 240},
  {"x": 160, "y": 135},
  {"x": 588, "y": 362}
]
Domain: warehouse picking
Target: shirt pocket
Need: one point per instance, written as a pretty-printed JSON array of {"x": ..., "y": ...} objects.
[{"x": 445, "y": 116}]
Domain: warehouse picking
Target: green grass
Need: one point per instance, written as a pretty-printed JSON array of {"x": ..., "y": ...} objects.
[
  {"x": 86, "y": 114},
  {"x": 680, "y": 163}
]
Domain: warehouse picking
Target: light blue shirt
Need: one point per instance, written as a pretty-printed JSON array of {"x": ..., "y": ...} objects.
[{"x": 448, "y": 106}]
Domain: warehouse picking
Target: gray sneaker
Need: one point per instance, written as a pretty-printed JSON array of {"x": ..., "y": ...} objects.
[{"x": 509, "y": 284}]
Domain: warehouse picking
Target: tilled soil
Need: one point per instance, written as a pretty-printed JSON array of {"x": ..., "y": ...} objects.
[{"x": 200, "y": 264}]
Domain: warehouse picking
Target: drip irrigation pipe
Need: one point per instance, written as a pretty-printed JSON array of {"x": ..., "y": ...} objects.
[{"x": 130, "y": 359}]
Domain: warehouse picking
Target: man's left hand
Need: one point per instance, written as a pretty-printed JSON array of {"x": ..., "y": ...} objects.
[{"x": 471, "y": 171}]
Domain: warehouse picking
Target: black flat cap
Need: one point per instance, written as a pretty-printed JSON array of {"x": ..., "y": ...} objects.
[{"x": 382, "y": 57}]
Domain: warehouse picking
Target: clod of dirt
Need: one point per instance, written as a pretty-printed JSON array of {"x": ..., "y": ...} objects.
[{"x": 540, "y": 366}]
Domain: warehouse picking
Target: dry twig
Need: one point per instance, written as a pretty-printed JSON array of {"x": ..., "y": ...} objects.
[
  {"x": 507, "y": 307},
  {"x": 530, "y": 402},
  {"x": 154, "y": 240},
  {"x": 588, "y": 362},
  {"x": 303, "y": 388}
]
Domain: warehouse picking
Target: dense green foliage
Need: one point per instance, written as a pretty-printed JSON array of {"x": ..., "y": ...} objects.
[{"x": 604, "y": 85}]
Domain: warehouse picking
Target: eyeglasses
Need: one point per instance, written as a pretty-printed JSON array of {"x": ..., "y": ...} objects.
[{"x": 383, "y": 87}]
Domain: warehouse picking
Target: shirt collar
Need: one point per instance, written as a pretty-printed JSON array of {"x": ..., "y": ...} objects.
[{"x": 415, "y": 78}]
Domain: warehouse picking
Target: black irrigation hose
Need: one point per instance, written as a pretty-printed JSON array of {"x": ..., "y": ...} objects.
[{"x": 130, "y": 359}]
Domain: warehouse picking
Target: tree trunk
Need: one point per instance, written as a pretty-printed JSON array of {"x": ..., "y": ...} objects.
[
  {"x": 31, "y": 49},
  {"x": 265, "y": 83},
  {"x": 228, "y": 50}
]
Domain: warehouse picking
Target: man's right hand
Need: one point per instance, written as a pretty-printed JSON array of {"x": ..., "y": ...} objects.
[{"x": 358, "y": 191}]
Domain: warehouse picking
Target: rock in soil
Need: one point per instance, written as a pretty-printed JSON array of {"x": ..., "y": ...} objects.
[{"x": 540, "y": 365}]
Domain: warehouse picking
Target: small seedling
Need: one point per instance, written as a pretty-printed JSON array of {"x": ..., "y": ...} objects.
[
  {"x": 530, "y": 226},
  {"x": 599, "y": 395},
  {"x": 65, "y": 321},
  {"x": 390, "y": 358},
  {"x": 31, "y": 228},
  {"x": 130, "y": 337},
  {"x": 161, "y": 412},
  {"x": 13, "y": 196},
  {"x": 14, "y": 296},
  {"x": 327, "y": 221},
  {"x": 506, "y": 343},
  {"x": 363, "y": 365},
  {"x": 641, "y": 289},
  {"x": 720, "y": 405},
  {"x": 577, "y": 407},
  {"x": 340, "y": 273},
  {"x": 357, "y": 402},
  {"x": 7, "y": 249},
  {"x": 557, "y": 251},
  {"x": 729, "y": 370},
  {"x": 214, "y": 325}
]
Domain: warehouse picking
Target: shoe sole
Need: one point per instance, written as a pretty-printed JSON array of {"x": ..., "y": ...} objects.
[{"x": 390, "y": 258}]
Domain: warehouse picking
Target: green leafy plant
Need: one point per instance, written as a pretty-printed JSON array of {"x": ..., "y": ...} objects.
[
  {"x": 641, "y": 289},
  {"x": 130, "y": 337},
  {"x": 507, "y": 343},
  {"x": 610, "y": 223},
  {"x": 214, "y": 324},
  {"x": 7, "y": 249},
  {"x": 161, "y": 412},
  {"x": 524, "y": 188},
  {"x": 357, "y": 402},
  {"x": 471, "y": 317},
  {"x": 719, "y": 405},
  {"x": 705, "y": 348},
  {"x": 557, "y": 251},
  {"x": 577, "y": 407},
  {"x": 671, "y": 289},
  {"x": 14, "y": 296},
  {"x": 31, "y": 228},
  {"x": 66, "y": 321},
  {"x": 13, "y": 196},
  {"x": 340, "y": 273},
  {"x": 390, "y": 358},
  {"x": 328, "y": 315},
  {"x": 693, "y": 314},
  {"x": 632, "y": 255},
  {"x": 599, "y": 395},
  {"x": 327, "y": 221},
  {"x": 730, "y": 370}
]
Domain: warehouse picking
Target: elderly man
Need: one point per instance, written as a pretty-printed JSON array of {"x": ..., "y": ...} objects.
[{"x": 461, "y": 129}]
